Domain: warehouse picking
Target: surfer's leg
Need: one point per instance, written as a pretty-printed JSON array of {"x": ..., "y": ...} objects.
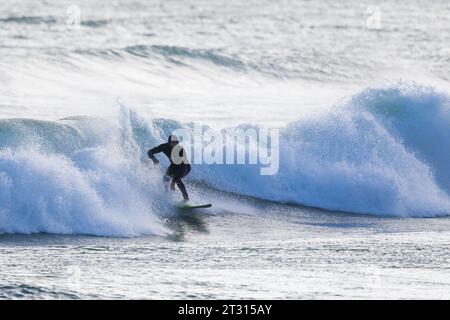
[
  {"x": 182, "y": 188},
  {"x": 180, "y": 183},
  {"x": 178, "y": 172},
  {"x": 169, "y": 174}
]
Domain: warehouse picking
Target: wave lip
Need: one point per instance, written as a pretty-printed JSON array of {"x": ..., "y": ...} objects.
[
  {"x": 202, "y": 54},
  {"x": 29, "y": 19},
  {"x": 180, "y": 56}
]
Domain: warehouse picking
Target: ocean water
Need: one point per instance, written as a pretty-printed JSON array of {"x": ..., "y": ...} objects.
[{"x": 359, "y": 92}]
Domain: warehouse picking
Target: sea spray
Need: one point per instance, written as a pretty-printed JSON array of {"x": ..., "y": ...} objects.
[
  {"x": 383, "y": 151},
  {"x": 98, "y": 189}
]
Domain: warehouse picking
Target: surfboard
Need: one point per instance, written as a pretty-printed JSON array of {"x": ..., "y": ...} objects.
[{"x": 192, "y": 205}]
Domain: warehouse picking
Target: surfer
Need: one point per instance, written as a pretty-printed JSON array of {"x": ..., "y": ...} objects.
[{"x": 179, "y": 165}]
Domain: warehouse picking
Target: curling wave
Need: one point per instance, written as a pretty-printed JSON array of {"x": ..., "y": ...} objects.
[{"x": 383, "y": 151}]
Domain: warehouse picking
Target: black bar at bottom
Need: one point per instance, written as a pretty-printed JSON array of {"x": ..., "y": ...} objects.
[{"x": 222, "y": 309}]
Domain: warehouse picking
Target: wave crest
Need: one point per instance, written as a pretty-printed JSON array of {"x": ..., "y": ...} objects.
[{"x": 383, "y": 151}]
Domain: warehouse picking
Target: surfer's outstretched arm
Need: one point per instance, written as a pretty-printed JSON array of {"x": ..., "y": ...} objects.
[{"x": 151, "y": 154}]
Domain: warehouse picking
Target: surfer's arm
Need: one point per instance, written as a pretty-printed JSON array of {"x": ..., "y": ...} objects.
[{"x": 151, "y": 154}]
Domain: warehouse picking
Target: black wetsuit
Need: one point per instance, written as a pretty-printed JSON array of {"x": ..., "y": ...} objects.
[{"x": 179, "y": 166}]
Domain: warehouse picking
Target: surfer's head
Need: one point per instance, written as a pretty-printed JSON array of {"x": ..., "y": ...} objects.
[{"x": 173, "y": 140}]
